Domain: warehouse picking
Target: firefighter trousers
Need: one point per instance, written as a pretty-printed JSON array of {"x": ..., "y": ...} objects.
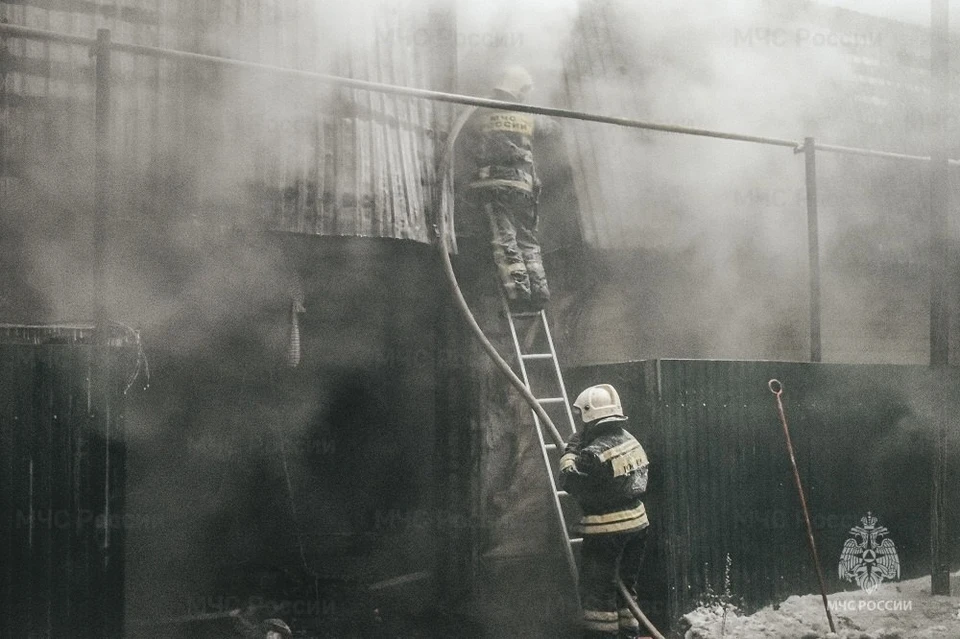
[
  {"x": 605, "y": 613},
  {"x": 516, "y": 250}
]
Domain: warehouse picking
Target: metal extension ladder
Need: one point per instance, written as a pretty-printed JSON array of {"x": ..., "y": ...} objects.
[{"x": 552, "y": 402}]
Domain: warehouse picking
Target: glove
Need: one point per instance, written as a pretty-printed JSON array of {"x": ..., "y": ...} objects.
[
  {"x": 571, "y": 478},
  {"x": 570, "y": 453}
]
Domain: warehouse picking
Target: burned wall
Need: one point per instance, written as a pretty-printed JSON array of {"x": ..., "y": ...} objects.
[
  {"x": 318, "y": 492},
  {"x": 193, "y": 144}
]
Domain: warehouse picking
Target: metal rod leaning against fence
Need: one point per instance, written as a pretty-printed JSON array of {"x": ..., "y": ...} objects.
[{"x": 777, "y": 389}]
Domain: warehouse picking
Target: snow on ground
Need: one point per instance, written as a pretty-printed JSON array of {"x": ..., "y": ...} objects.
[{"x": 897, "y": 610}]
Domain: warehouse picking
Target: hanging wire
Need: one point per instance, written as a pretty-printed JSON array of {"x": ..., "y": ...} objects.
[{"x": 142, "y": 362}]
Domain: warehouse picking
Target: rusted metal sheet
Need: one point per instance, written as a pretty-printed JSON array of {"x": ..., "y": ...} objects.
[
  {"x": 200, "y": 143},
  {"x": 62, "y": 468},
  {"x": 721, "y": 483}
]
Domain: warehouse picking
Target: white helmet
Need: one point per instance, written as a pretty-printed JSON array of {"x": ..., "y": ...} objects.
[
  {"x": 516, "y": 82},
  {"x": 275, "y": 628},
  {"x": 598, "y": 402}
]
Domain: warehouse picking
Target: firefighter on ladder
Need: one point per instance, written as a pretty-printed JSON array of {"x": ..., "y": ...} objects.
[
  {"x": 504, "y": 186},
  {"x": 605, "y": 468}
]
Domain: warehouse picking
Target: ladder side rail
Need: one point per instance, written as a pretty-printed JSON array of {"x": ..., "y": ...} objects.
[
  {"x": 558, "y": 512},
  {"x": 519, "y": 353},
  {"x": 544, "y": 451},
  {"x": 555, "y": 493},
  {"x": 556, "y": 367}
]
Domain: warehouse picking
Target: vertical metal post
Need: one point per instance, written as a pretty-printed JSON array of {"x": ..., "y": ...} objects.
[
  {"x": 940, "y": 256},
  {"x": 939, "y": 187},
  {"x": 100, "y": 377},
  {"x": 939, "y": 535},
  {"x": 813, "y": 246},
  {"x": 102, "y": 181}
]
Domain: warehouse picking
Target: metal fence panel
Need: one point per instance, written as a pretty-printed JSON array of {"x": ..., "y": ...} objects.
[
  {"x": 62, "y": 468},
  {"x": 720, "y": 474}
]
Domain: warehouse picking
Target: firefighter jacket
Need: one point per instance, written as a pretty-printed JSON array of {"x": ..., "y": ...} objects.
[
  {"x": 499, "y": 146},
  {"x": 605, "y": 469}
]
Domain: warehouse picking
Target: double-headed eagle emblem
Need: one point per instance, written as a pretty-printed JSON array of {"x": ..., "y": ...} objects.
[{"x": 869, "y": 556}]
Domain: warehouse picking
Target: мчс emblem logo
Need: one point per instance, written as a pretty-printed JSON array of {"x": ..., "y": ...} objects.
[{"x": 869, "y": 557}]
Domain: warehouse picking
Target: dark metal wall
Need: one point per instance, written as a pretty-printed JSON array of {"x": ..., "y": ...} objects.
[
  {"x": 721, "y": 482},
  {"x": 62, "y": 470},
  {"x": 508, "y": 569},
  {"x": 319, "y": 493}
]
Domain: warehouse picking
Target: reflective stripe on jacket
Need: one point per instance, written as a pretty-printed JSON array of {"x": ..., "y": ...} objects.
[{"x": 605, "y": 469}]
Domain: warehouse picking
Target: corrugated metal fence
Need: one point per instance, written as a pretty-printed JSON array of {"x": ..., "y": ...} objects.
[
  {"x": 62, "y": 468},
  {"x": 200, "y": 144},
  {"x": 721, "y": 482}
]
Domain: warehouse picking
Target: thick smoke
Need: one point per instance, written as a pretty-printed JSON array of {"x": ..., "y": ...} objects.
[
  {"x": 734, "y": 212},
  {"x": 700, "y": 244},
  {"x": 724, "y": 223},
  {"x": 227, "y": 443}
]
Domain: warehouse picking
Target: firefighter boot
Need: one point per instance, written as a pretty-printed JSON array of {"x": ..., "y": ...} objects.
[
  {"x": 515, "y": 281},
  {"x": 539, "y": 291}
]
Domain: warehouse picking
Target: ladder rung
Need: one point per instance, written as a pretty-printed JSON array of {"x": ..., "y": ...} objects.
[
  {"x": 550, "y": 400},
  {"x": 513, "y": 317}
]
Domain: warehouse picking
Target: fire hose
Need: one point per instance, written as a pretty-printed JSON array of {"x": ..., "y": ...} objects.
[
  {"x": 442, "y": 235},
  {"x": 440, "y": 230}
]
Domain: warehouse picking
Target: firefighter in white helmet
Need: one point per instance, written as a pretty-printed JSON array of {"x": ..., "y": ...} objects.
[
  {"x": 504, "y": 185},
  {"x": 605, "y": 468}
]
